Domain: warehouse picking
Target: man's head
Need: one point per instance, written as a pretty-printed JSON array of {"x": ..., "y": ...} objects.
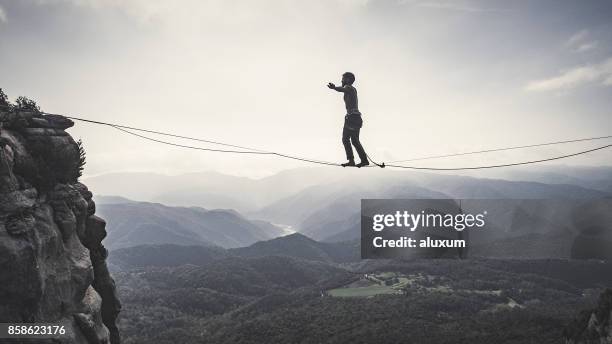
[{"x": 348, "y": 78}]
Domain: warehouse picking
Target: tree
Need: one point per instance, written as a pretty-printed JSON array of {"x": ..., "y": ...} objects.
[
  {"x": 24, "y": 103},
  {"x": 3, "y": 99}
]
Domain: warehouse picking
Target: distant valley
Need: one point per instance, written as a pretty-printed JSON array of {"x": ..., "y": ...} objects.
[
  {"x": 223, "y": 265},
  {"x": 188, "y": 294},
  {"x": 324, "y": 206}
]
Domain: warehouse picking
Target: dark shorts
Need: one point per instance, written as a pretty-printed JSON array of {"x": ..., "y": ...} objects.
[{"x": 353, "y": 122}]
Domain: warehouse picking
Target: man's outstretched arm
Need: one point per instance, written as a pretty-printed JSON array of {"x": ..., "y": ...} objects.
[{"x": 334, "y": 87}]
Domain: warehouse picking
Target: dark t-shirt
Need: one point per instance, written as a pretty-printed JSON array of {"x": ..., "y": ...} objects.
[{"x": 350, "y": 100}]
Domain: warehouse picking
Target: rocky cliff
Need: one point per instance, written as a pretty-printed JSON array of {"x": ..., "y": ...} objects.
[
  {"x": 52, "y": 262},
  {"x": 593, "y": 326}
]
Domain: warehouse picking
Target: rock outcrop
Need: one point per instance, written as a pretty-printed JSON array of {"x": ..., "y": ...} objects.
[
  {"x": 593, "y": 326},
  {"x": 52, "y": 262}
]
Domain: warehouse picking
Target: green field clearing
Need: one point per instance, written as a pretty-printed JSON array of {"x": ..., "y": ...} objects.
[
  {"x": 377, "y": 287},
  {"x": 364, "y": 291}
]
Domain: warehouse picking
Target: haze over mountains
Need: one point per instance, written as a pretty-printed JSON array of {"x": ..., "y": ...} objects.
[
  {"x": 213, "y": 190},
  {"x": 138, "y": 223},
  {"x": 205, "y": 189},
  {"x": 325, "y": 208},
  {"x": 321, "y": 204}
]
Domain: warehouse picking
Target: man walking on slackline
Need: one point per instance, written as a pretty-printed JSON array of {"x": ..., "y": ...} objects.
[{"x": 352, "y": 121}]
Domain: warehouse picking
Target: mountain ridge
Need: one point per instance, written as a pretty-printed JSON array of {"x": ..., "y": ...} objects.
[
  {"x": 135, "y": 223},
  {"x": 294, "y": 245}
]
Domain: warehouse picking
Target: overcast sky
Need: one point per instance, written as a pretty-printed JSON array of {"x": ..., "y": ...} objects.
[{"x": 433, "y": 77}]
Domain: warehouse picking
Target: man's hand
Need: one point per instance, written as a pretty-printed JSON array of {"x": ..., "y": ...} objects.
[{"x": 331, "y": 85}]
